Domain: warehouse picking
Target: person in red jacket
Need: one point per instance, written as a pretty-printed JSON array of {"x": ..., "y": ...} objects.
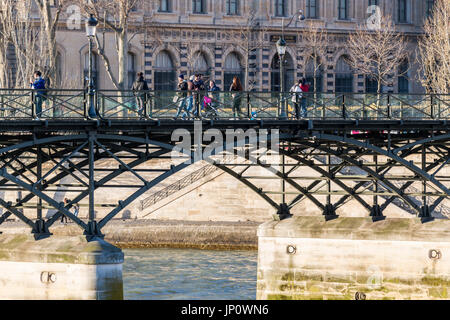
[{"x": 305, "y": 89}]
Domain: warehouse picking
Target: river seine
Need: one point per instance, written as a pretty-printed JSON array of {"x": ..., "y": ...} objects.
[{"x": 189, "y": 274}]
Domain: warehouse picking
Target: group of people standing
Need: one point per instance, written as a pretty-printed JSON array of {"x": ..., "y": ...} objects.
[
  {"x": 207, "y": 96},
  {"x": 298, "y": 98}
]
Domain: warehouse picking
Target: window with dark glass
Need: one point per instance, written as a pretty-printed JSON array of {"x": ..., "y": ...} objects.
[
  {"x": 232, "y": 7},
  {"x": 164, "y": 72},
  {"x": 198, "y": 6},
  {"x": 312, "y": 9},
  {"x": 289, "y": 72},
  {"x": 371, "y": 85},
  {"x": 403, "y": 80},
  {"x": 343, "y": 9},
  {"x": 429, "y": 7},
  {"x": 280, "y": 8},
  {"x": 371, "y": 5},
  {"x": 164, "y": 6},
  {"x": 131, "y": 69},
  {"x": 314, "y": 74},
  {"x": 344, "y": 76},
  {"x": 94, "y": 69},
  {"x": 233, "y": 68},
  {"x": 402, "y": 11}
]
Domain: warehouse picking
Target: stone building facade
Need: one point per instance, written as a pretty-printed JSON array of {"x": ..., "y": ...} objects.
[{"x": 186, "y": 36}]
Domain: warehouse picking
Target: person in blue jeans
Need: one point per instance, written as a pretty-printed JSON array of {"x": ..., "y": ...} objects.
[
  {"x": 39, "y": 85},
  {"x": 190, "y": 96},
  {"x": 182, "y": 89}
]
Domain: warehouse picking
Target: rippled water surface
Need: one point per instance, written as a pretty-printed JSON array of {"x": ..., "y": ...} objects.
[{"x": 166, "y": 274}]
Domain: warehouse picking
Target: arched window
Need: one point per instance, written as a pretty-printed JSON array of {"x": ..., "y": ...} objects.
[
  {"x": 344, "y": 76},
  {"x": 232, "y": 68},
  {"x": 131, "y": 68},
  {"x": 95, "y": 73},
  {"x": 164, "y": 72},
  {"x": 314, "y": 74},
  {"x": 201, "y": 65},
  {"x": 403, "y": 77},
  {"x": 288, "y": 65}
]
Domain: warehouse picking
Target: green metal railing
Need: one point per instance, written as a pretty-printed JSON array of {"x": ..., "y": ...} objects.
[{"x": 126, "y": 104}]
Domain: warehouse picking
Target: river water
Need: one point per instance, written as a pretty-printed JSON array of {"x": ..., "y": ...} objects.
[{"x": 189, "y": 274}]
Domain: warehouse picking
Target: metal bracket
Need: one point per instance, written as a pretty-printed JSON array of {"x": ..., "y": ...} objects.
[
  {"x": 40, "y": 230},
  {"x": 283, "y": 213},
  {"x": 329, "y": 212},
  {"x": 376, "y": 213},
  {"x": 93, "y": 231},
  {"x": 425, "y": 214}
]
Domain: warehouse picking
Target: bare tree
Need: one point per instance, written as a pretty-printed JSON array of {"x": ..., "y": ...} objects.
[
  {"x": 377, "y": 52},
  {"x": 316, "y": 41},
  {"x": 114, "y": 15},
  {"x": 18, "y": 30},
  {"x": 434, "y": 49},
  {"x": 50, "y": 12},
  {"x": 3, "y": 61},
  {"x": 249, "y": 39}
]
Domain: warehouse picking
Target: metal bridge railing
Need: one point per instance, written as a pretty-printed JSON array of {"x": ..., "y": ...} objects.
[{"x": 126, "y": 104}]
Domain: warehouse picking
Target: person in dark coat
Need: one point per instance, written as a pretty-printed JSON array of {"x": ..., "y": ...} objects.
[
  {"x": 140, "y": 88},
  {"x": 182, "y": 94},
  {"x": 38, "y": 84},
  {"x": 236, "y": 88}
]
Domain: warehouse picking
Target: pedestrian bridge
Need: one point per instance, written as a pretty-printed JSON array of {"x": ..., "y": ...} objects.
[{"x": 373, "y": 149}]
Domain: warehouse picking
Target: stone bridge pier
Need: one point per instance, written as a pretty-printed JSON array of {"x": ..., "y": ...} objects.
[
  {"x": 353, "y": 258},
  {"x": 59, "y": 268}
]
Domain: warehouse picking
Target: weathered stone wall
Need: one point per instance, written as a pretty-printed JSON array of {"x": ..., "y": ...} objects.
[{"x": 348, "y": 258}]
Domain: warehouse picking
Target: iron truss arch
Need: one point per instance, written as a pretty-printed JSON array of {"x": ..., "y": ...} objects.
[{"x": 375, "y": 169}]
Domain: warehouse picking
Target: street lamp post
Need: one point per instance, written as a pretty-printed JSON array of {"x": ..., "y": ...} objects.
[
  {"x": 91, "y": 28},
  {"x": 281, "y": 49}
]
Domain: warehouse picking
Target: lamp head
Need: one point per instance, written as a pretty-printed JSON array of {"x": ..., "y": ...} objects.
[
  {"x": 281, "y": 46},
  {"x": 301, "y": 16},
  {"x": 91, "y": 26}
]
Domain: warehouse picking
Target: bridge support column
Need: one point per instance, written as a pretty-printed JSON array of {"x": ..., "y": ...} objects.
[
  {"x": 59, "y": 268},
  {"x": 353, "y": 258}
]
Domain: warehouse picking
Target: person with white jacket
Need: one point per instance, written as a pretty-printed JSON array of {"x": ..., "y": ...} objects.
[{"x": 296, "y": 98}]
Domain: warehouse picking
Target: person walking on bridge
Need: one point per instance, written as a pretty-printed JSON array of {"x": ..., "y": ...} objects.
[
  {"x": 38, "y": 84},
  {"x": 305, "y": 89},
  {"x": 140, "y": 88},
  {"x": 296, "y": 91},
  {"x": 236, "y": 88},
  {"x": 182, "y": 95}
]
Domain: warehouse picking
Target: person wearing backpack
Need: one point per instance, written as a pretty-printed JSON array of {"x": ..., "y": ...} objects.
[
  {"x": 139, "y": 88},
  {"x": 38, "y": 84}
]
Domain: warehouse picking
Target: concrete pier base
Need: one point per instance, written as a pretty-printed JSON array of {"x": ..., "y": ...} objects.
[
  {"x": 59, "y": 268},
  {"x": 353, "y": 258}
]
